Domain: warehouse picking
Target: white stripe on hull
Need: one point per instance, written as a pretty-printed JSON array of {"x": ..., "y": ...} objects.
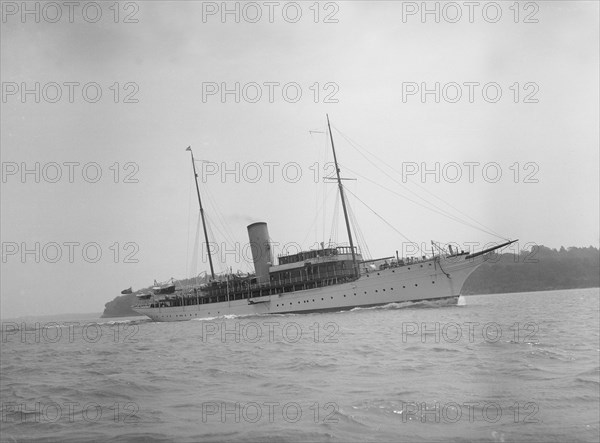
[{"x": 415, "y": 282}]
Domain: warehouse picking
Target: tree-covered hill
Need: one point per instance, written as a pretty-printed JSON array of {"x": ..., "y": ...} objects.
[{"x": 539, "y": 269}]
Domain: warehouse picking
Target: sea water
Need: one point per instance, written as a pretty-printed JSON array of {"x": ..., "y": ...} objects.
[{"x": 505, "y": 367}]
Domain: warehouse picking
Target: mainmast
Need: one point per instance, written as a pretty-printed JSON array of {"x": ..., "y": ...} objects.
[
  {"x": 339, "y": 180},
  {"x": 212, "y": 272}
]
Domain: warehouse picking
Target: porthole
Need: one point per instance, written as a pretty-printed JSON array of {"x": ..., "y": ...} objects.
[{"x": 416, "y": 285}]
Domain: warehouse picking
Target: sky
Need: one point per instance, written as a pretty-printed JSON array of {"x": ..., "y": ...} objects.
[{"x": 468, "y": 126}]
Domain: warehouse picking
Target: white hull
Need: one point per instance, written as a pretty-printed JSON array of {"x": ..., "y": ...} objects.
[{"x": 442, "y": 278}]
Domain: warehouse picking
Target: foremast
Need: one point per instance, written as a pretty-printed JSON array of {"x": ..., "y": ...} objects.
[
  {"x": 208, "y": 249},
  {"x": 341, "y": 188}
]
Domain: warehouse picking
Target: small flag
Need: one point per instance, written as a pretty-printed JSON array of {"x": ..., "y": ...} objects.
[
  {"x": 127, "y": 291},
  {"x": 189, "y": 148}
]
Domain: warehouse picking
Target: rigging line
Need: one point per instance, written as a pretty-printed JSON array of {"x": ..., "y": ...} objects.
[
  {"x": 358, "y": 148},
  {"x": 324, "y": 152},
  {"x": 386, "y": 222},
  {"x": 221, "y": 262},
  {"x": 315, "y": 220},
  {"x": 487, "y": 229},
  {"x": 187, "y": 251},
  {"x": 336, "y": 214},
  {"x": 197, "y": 241},
  {"x": 325, "y": 192},
  {"x": 364, "y": 247},
  {"x": 212, "y": 236},
  {"x": 354, "y": 224},
  {"x": 316, "y": 189},
  {"x": 201, "y": 245},
  {"x": 442, "y": 213},
  {"x": 226, "y": 233},
  {"x": 222, "y": 259},
  {"x": 230, "y": 237},
  {"x": 221, "y": 218},
  {"x": 319, "y": 153},
  {"x": 334, "y": 220},
  {"x": 437, "y": 209}
]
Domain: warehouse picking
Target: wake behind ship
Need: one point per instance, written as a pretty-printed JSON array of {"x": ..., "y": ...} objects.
[{"x": 326, "y": 279}]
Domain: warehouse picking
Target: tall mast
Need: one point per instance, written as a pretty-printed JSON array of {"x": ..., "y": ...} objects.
[
  {"x": 339, "y": 180},
  {"x": 212, "y": 272}
]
